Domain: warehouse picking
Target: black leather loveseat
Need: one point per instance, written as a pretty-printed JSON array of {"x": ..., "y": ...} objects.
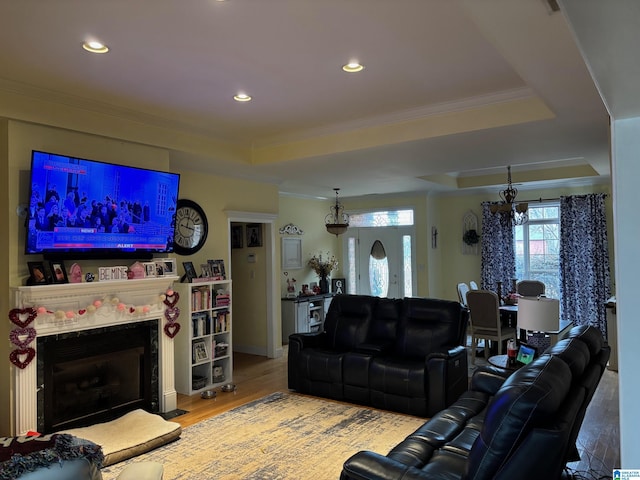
[
  {"x": 405, "y": 355},
  {"x": 524, "y": 427}
]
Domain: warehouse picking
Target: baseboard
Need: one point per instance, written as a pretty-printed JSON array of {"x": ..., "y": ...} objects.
[{"x": 250, "y": 349}]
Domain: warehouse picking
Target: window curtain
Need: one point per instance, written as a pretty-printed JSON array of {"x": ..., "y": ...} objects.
[
  {"x": 584, "y": 260},
  {"x": 498, "y": 263}
]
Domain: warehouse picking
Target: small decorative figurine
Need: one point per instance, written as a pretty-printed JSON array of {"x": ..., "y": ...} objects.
[{"x": 75, "y": 274}]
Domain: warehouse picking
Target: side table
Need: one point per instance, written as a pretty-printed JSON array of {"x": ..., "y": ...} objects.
[{"x": 502, "y": 361}]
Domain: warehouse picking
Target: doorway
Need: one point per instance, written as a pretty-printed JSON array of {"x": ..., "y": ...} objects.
[{"x": 269, "y": 290}]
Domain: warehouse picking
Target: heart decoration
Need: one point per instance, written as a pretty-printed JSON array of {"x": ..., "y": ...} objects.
[
  {"x": 171, "y": 300},
  {"x": 82, "y": 311},
  {"x": 171, "y": 329},
  {"x": 172, "y": 314},
  {"x": 22, "y": 316},
  {"x": 132, "y": 309},
  {"x": 22, "y": 357},
  {"x": 21, "y": 337}
]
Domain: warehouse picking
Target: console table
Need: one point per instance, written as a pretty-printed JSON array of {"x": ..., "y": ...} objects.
[{"x": 304, "y": 314}]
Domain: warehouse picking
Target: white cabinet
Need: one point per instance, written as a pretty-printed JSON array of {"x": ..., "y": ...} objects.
[
  {"x": 204, "y": 350},
  {"x": 304, "y": 314}
]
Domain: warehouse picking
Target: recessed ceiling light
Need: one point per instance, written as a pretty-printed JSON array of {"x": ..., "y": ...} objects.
[
  {"x": 353, "y": 67},
  {"x": 241, "y": 97},
  {"x": 94, "y": 46}
]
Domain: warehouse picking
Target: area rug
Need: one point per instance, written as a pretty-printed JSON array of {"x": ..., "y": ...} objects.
[{"x": 280, "y": 436}]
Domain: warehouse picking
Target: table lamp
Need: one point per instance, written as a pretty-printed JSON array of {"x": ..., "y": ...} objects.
[{"x": 539, "y": 314}]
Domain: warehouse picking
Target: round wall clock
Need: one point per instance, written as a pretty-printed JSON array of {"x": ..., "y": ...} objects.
[{"x": 191, "y": 228}]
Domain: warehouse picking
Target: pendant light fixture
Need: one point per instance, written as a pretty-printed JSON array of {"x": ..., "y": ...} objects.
[
  {"x": 511, "y": 212},
  {"x": 337, "y": 221}
]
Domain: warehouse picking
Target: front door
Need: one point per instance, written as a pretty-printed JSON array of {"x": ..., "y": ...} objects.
[{"x": 382, "y": 262}]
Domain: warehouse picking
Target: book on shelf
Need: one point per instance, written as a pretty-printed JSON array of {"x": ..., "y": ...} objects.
[{"x": 221, "y": 321}]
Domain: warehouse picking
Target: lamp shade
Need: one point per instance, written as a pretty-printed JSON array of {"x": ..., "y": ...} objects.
[{"x": 539, "y": 314}]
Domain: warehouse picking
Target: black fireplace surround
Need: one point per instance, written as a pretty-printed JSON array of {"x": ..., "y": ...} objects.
[{"x": 92, "y": 376}]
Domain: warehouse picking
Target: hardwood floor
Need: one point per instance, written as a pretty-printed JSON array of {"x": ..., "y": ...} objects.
[
  {"x": 255, "y": 377},
  {"x": 599, "y": 438}
]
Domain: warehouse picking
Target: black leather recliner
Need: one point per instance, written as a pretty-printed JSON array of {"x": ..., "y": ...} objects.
[
  {"x": 405, "y": 355},
  {"x": 522, "y": 425}
]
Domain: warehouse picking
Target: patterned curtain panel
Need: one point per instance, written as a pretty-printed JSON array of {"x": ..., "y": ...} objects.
[
  {"x": 584, "y": 260},
  {"x": 498, "y": 253}
]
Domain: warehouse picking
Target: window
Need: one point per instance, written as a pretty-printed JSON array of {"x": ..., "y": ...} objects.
[
  {"x": 391, "y": 218},
  {"x": 537, "y": 246}
]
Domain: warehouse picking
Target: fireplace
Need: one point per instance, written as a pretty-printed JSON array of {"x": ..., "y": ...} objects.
[
  {"x": 97, "y": 375},
  {"x": 84, "y": 365}
]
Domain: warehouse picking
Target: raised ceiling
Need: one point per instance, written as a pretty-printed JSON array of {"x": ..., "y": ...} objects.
[{"x": 453, "y": 90}]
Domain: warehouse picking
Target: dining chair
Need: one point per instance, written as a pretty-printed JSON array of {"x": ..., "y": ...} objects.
[
  {"x": 530, "y": 288},
  {"x": 484, "y": 310},
  {"x": 473, "y": 285},
  {"x": 463, "y": 288}
]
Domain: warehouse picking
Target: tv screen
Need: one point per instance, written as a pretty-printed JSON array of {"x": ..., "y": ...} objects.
[{"x": 88, "y": 209}]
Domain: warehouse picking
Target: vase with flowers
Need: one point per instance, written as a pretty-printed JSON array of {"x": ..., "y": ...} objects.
[{"x": 323, "y": 268}]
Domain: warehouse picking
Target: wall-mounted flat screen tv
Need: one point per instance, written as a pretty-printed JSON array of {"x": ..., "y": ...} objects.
[{"x": 81, "y": 208}]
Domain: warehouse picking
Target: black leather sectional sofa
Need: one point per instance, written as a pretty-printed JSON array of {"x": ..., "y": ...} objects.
[
  {"x": 405, "y": 355},
  {"x": 520, "y": 426}
]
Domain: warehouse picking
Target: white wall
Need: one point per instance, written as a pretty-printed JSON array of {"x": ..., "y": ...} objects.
[{"x": 626, "y": 173}]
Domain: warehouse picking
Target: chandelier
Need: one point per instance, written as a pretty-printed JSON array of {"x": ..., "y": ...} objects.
[
  {"x": 336, "y": 221},
  {"x": 511, "y": 213}
]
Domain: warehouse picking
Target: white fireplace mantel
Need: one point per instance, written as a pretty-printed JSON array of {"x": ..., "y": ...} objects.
[{"x": 82, "y": 306}]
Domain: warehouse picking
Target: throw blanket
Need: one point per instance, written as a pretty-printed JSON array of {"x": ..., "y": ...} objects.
[{"x": 19, "y": 455}]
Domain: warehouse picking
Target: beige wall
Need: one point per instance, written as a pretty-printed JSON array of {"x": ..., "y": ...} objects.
[
  {"x": 438, "y": 270},
  {"x": 308, "y": 215},
  {"x": 214, "y": 194},
  {"x": 457, "y": 267}
]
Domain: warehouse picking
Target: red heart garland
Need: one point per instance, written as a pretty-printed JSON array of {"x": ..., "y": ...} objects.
[
  {"x": 132, "y": 309},
  {"x": 17, "y": 316},
  {"x": 171, "y": 329},
  {"x": 15, "y": 355},
  {"x": 21, "y": 337},
  {"x": 172, "y": 314},
  {"x": 171, "y": 300},
  {"x": 82, "y": 311}
]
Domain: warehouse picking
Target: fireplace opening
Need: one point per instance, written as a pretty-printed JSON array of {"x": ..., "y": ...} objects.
[{"x": 97, "y": 375}]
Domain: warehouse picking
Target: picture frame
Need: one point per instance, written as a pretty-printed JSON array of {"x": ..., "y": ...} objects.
[
  {"x": 149, "y": 269},
  {"x": 200, "y": 353},
  {"x": 338, "y": 286},
  {"x": 254, "y": 235},
  {"x": 38, "y": 273},
  {"x": 159, "y": 268},
  {"x": 237, "y": 236},
  {"x": 58, "y": 272},
  {"x": 223, "y": 272},
  {"x": 189, "y": 271},
  {"x": 205, "y": 269},
  {"x": 169, "y": 267},
  {"x": 291, "y": 253},
  {"x": 216, "y": 267}
]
